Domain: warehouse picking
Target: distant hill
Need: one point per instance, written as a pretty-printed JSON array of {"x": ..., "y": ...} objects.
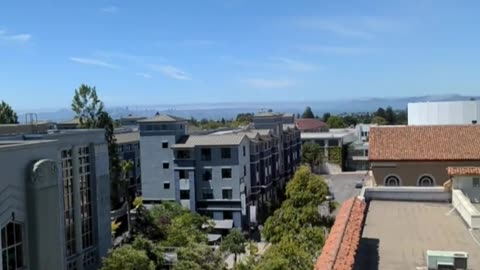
[{"x": 231, "y": 109}]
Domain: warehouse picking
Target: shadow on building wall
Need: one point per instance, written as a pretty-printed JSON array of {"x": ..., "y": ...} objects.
[{"x": 367, "y": 257}]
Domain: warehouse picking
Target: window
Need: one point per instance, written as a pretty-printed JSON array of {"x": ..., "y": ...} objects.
[
  {"x": 476, "y": 182},
  {"x": 183, "y": 174},
  {"x": 226, "y": 153},
  {"x": 184, "y": 194},
  {"x": 332, "y": 143},
  {"x": 207, "y": 174},
  {"x": 12, "y": 246},
  {"x": 166, "y": 185},
  {"x": 227, "y": 194},
  {"x": 207, "y": 194},
  {"x": 183, "y": 154},
  {"x": 206, "y": 154},
  {"x": 69, "y": 221},
  {"x": 86, "y": 212},
  {"x": 392, "y": 181},
  {"x": 244, "y": 150},
  {"x": 164, "y": 144},
  {"x": 425, "y": 181},
  {"x": 244, "y": 170},
  {"x": 226, "y": 173},
  {"x": 227, "y": 215},
  {"x": 166, "y": 165}
]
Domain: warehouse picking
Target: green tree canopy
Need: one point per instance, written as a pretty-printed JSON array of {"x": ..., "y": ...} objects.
[
  {"x": 381, "y": 113},
  {"x": 326, "y": 116},
  {"x": 287, "y": 254},
  {"x": 234, "y": 243},
  {"x": 390, "y": 116},
  {"x": 87, "y": 106},
  {"x": 308, "y": 113},
  {"x": 127, "y": 258},
  {"x": 336, "y": 122},
  {"x": 379, "y": 120},
  {"x": 7, "y": 114},
  {"x": 312, "y": 154},
  {"x": 199, "y": 256}
]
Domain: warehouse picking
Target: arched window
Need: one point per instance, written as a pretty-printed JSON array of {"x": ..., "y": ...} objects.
[
  {"x": 425, "y": 181},
  {"x": 12, "y": 246},
  {"x": 392, "y": 181}
]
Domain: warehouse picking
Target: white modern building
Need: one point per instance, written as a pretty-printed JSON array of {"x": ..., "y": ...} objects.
[
  {"x": 444, "y": 113},
  {"x": 54, "y": 199}
]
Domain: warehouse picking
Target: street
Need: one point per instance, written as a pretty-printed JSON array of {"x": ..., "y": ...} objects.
[{"x": 342, "y": 185}]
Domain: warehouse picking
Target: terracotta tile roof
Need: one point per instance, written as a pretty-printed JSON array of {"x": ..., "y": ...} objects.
[
  {"x": 463, "y": 171},
  {"x": 307, "y": 124},
  {"x": 340, "y": 248},
  {"x": 460, "y": 142}
]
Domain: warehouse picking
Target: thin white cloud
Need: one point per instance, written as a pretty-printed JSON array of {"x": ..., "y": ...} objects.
[
  {"x": 18, "y": 38},
  {"x": 336, "y": 50},
  {"x": 110, "y": 9},
  {"x": 269, "y": 83},
  {"x": 335, "y": 27},
  {"x": 171, "y": 71},
  {"x": 144, "y": 75},
  {"x": 294, "y": 65},
  {"x": 93, "y": 62}
]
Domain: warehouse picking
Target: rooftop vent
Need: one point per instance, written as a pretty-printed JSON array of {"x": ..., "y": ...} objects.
[{"x": 446, "y": 260}]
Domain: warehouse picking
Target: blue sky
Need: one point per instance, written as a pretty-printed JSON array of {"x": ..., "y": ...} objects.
[{"x": 155, "y": 52}]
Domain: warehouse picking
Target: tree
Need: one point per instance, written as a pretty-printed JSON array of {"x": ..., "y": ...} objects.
[
  {"x": 390, "y": 116},
  {"x": 234, "y": 243},
  {"x": 326, "y": 116},
  {"x": 379, "y": 120},
  {"x": 7, "y": 114},
  {"x": 87, "y": 106},
  {"x": 335, "y": 122},
  {"x": 298, "y": 116},
  {"x": 199, "y": 256},
  {"x": 288, "y": 254},
  {"x": 308, "y": 113},
  {"x": 127, "y": 258},
  {"x": 380, "y": 112},
  {"x": 312, "y": 154}
]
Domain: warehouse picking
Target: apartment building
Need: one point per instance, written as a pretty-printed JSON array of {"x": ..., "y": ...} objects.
[
  {"x": 220, "y": 174},
  {"x": 129, "y": 149},
  {"x": 55, "y": 200}
]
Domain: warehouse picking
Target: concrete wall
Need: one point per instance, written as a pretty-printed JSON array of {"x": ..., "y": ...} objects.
[
  {"x": 153, "y": 174},
  {"x": 468, "y": 212},
  {"x": 431, "y": 194},
  {"x": 465, "y": 183},
  {"x": 410, "y": 171},
  {"x": 443, "y": 113}
]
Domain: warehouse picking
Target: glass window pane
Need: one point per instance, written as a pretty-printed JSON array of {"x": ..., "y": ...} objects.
[
  {"x": 4, "y": 259},
  {"x": 18, "y": 233},
  {"x": 4, "y": 237},
  {"x": 10, "y": 234},
  {"x": 19, "y": 256}
]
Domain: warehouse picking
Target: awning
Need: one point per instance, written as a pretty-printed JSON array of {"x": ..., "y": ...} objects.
[{"x": 213, "y": 237}]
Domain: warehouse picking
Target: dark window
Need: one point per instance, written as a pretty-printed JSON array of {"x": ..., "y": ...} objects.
[
  {"x": 227, "y": 215},
  {"x": 183, "y": 174},
  {"x": 244, "y": 170},
  {"x": 183, "y": 154},
  {"x": 226, "y": 173},
  {"x": 166, "y": 165},
  {"x": 332, "y": 143},
  {"x": 184, "y": 194},
  {"x": 244, "y": 150},
  {"x": 227, "y": 194},
  {"x": 166, "y": 185},
  {"x": 12, "y": 246},
  {"x": 257, "y": 166},
  {"x": 164, "y": 144},
  {"x": 476, "y": 182},
  {"x": 207, "y": 194},
  {"x": 207, "y": 175},
  {"x": 206, "y": 154},
  {"x": 226, "y": 153},
  {"x": 208, "y": 214}
]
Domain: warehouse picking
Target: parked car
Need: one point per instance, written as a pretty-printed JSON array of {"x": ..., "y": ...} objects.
[
  {"x": 330, "y": 197},
  {"x": 359, "y": 184}
]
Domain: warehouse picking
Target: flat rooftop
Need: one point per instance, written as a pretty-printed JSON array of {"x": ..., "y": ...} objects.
[{"x": 397, "y": 234}]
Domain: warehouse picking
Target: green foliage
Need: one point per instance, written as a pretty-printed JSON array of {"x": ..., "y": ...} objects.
[
  {"x": 199, "y": 256},
  {"x": 379, "y": 120},
  {"x": 326, "y": 116},
  {"x": 87, "y": 106},
  {"x": 335, "y": 155},
  {"x": 7, "y": 114},
  {"x": 390, "y": 116},
  {"x": 234, "y": 243},
  {"x": 127, "y": 258},
  {"x": 287, "y": 254},
  {"x": 308, "y": 113},
  {"x": 312, "y": 154},
  {"x": 185, "y": 229},
  {"x": 336, "y": 122}
]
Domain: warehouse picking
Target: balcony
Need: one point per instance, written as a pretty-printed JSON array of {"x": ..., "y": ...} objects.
[{"x": 184, "y": 163}]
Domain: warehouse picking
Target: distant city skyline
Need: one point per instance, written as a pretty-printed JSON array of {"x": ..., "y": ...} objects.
[{"x": 184, "y": 52}]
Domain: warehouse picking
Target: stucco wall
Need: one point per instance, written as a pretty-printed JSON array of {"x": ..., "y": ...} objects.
[{"x": 410, "y": 171}]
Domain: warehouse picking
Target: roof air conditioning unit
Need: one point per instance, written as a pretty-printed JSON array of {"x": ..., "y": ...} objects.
[{"x": 446, "y": 260}]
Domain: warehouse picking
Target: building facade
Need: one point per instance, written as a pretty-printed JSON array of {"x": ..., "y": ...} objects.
[
  {"x": 55, "y": 194},
  {"x": 129, "y": 150},
  {"x": 220, "y": 174},
  {"x": 420, "y": 155},
  {"x": 444, "y": 113}
]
